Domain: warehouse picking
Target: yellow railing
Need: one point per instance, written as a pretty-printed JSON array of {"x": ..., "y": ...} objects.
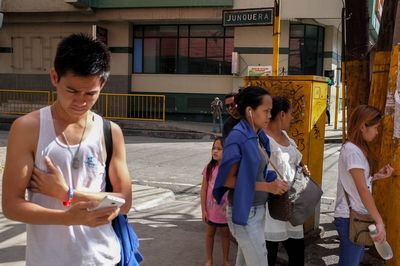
[
  {"x": 131, "y": 106},
  {"x": 148, "y": 107}
]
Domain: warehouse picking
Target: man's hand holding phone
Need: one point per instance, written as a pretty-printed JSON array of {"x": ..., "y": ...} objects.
[
  {"x": 109, "y": 201},
  {"x": 94, "y": 214}
]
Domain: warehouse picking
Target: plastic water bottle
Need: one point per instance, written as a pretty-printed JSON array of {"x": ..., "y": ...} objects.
[{"x": 384, "y": 248}]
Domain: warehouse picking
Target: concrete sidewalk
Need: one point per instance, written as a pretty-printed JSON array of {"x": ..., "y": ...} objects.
[{"x": 13, "y": 234}]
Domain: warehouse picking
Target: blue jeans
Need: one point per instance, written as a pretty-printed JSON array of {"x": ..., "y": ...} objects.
[
  {"x": 350, "y": 254},
  {"x": 217, "y": 126},
  {"x": 250, "y": 238}
]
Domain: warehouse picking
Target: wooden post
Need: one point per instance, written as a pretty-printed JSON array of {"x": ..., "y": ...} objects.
[{"x": 386, "y": 147}]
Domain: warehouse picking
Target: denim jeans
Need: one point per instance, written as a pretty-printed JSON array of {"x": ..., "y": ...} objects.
[
  {"x": 350, "y": 254},
  {"x": 250, "y": 238},
  {"x": 217, "y": 124}
]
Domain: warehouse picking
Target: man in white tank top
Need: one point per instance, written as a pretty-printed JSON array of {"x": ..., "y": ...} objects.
[{"x": 57, "y": 154}]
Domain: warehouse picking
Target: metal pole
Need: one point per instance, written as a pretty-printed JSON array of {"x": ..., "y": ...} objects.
[
  {"x": 337, "y": 104},
  {"x": 344, "y": 98},
  {"x": 277, "y": 32}
]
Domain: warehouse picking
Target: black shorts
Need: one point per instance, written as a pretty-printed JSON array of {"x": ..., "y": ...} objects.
[{"x": 216, "y": 224}]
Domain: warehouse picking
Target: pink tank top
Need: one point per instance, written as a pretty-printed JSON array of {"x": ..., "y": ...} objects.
[{"x": 216, "y": 213}]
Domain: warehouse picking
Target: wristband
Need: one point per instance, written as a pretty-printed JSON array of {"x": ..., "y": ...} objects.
[{"x": 70, "y": 194}]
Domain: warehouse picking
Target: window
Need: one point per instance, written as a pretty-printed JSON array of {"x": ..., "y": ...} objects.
[
  {"x": 182, "y": 49},
  {"x": 306, "y": 49}
]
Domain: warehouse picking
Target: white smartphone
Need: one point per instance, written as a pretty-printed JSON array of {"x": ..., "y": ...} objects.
[{"x": 109, "y": 201}]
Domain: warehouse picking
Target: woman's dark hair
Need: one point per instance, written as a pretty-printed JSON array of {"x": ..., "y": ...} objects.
[
  {"x": 279, "y": 104},
  {"x": 249, "y": 96},
  {"x": 82, "y": 55},
  {"x": 213, "y": 163}
]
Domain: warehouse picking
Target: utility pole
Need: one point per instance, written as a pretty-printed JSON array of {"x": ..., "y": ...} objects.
[
  {"x": 357, "y": 53},
  {"x": 277, "y": 33},
  {"x": 385, "y": 82}
]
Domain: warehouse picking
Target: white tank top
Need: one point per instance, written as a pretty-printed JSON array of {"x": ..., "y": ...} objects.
[{"x": 78, "y": 244}]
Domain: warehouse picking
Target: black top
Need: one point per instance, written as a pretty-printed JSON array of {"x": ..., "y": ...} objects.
[{"x": 228, "y": 125}]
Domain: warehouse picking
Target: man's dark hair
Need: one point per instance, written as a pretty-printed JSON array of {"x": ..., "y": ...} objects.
[
  {"x": 82, "y": 55},
  {"x": 229, "y": 95}
]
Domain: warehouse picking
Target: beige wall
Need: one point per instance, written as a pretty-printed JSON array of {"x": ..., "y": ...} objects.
[
  {"x": 34, "y": 46},
  {"x": 181, "y": 83},
  {"x": 332, "y": 44},
  {"x": 259, "y": 37},
  {"x": 118, "y": 36},
  {"x": 142, "y": 15},
  {"x": 253, "y": 36},
  {"x": 333, "y": 39},
  {"x": 285, "y": 27},
  {"x": 253, "y": 3},
  {"x": 165, "y": 15},
  {"x": 36, "y": 6},
  {"x": 298, "y": 8},
  {"x": 311, "y": 9}
]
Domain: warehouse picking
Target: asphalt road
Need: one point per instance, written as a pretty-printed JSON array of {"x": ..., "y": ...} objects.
[{"x": 178, "y": 165}]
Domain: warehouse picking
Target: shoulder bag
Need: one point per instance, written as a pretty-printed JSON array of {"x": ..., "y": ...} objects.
[
  {"x": 358, "y": 226},
  {"x": 297, "y": 204},
  {"x": 130, "y": 255}
]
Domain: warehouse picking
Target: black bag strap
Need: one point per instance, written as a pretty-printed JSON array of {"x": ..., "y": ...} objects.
[{"x": 109, "y": 150}]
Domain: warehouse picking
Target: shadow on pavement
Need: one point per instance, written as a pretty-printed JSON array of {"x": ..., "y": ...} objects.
[
  {"x": 9, "y": 233},
  {"x": 173, "y": 234}
]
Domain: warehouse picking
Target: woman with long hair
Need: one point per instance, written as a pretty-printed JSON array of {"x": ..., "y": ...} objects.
[
  {"x": 214, "y": 214},
  {"x": 356, "y": 163}
]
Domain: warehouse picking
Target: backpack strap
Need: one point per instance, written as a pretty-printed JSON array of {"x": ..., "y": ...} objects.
[{"x": 109, "y": 150}]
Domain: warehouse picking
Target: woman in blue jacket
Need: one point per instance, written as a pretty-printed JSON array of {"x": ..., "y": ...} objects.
[{"x": 243, "y": 172}]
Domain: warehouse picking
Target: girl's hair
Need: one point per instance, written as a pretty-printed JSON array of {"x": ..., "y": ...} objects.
[
  {"x": 279, "y": 103},
  {"x": 213, "y": 163},
  {"x": 249, "y": 96},
  {"x": 363, "y": 115}
]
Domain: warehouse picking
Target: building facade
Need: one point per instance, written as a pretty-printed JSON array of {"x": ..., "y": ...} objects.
[{"x": 176, "y": 48}]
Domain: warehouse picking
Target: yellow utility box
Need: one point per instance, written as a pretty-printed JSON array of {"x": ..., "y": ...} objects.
[{"x": 307, "y": 95}]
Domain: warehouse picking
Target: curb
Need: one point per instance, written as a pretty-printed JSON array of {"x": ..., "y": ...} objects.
[
  {"x": 170, "y": 134},
  {"x": 333, "y": 140},
  {"x": 146, "y": 197}
]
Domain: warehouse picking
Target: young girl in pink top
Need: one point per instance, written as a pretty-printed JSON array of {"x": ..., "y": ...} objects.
[{"x": 212, "y": 212}]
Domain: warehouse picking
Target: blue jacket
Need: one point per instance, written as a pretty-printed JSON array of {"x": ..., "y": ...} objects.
[{"x": 241, "y": 146}]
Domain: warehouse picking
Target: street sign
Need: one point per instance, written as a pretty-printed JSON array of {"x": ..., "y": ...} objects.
[{"x": 248, "y": 17}]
